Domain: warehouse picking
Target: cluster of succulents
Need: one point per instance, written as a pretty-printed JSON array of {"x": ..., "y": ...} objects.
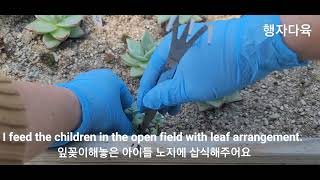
[
  {"x": 139, "y": 54},
  {"x": 137, "y": 119},
  {"x": 183, "y": 19},
  {"x": 56, "y": 28},
  {"x": 207, "y": 105}
]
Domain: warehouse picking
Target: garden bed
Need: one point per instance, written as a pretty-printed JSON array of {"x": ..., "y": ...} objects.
[{"x": 285, "y": 102}]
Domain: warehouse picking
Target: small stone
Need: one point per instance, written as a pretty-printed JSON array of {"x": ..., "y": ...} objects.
[
  {"x": 108, "y": 57},
  {"x": 274, "y": 116},
  {"x": 27, "y": 36},
  {"x": 303, "y": 102},
  {"x": 277, "y": 102},
  {"x": 266, "y": 122},
  {"x": 281, "y": 108},
  {"x": 19, "y": 35}
]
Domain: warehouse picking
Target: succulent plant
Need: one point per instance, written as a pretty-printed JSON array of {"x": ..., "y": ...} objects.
[
  {"x": 183, "y": 19},
  {"x": 203, "y": 106},
  {"x": 139, "y": 54},
  {"x": 56, "y": 28},
  {"x": 138, "y": 118}
]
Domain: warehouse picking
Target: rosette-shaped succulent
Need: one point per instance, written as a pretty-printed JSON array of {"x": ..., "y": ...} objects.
[
  {"x": 139, "y": 54},
  {"x": 56, "y": 28}
]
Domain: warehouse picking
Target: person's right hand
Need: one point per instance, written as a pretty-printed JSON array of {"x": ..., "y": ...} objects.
[{"x": 239, "y": 54}]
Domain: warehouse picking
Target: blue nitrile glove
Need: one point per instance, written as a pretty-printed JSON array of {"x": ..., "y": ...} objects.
[
  {"x": 239, "y": 54},
  {"x": 103, "y": 98}
]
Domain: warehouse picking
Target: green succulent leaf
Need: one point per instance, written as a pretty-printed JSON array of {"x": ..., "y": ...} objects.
[
  {"x": 139, "y": 58},
  {"x": 139, "y": 54},
  {"x": 128, "y": 111},
  {"x": 61, "y": 17},
  {"x": 76, "y": 32},
  {"x": 138, "y": 119},
  {"x": 153, "y": 131},
  {"x": 47, "y": 18},
  {"x": 147, "y": 42},
  {"x": 61, "y": 34},
  {"x": 203, "y": 106},
  {"x": 70, "y": 21},
  {"x": 128, "y": 60},
  {"x": 143, "y": 65},
  {"x": 41, "y": 27},
  {"x": 136, "y": 71},
  {"x": 233, "y": 97},
  {"x": 216, "y": 103},
  {"x": 135, "y": 48},
  {"x": 149, "y": 53},
  {"x": 197, "y": 18},
  {"x": 50, "y": 41},
  {"x": 159, "y": 118},
  {"x": 183, "y": 19},
  {"x": 163, "y": 18}
]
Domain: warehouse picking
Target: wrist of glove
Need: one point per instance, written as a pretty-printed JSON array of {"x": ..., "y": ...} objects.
[
  {"x": 103, "y": 98},
  {"x": 259, "y": 55}
]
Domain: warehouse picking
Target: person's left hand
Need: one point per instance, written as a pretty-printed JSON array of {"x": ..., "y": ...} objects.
[{"x": 103, "y": 98}]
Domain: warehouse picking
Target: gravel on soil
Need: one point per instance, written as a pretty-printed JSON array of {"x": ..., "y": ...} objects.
[{"x": 283, "y": 103}]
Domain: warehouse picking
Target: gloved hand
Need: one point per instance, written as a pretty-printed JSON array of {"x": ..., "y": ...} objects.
[
  {"x": 239, "y": 54},
  {"x": 103, "y": 98}
]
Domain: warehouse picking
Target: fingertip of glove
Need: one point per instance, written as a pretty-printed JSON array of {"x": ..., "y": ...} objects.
[{"x": 149, "y": 102}]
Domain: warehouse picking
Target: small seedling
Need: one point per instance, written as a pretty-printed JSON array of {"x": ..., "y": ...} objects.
[
  {"x": 138, "y": 118},
  {"x": 207, "y": 105},
  {"x": 139, "y": 54},
  {"x": 183, "y": 19},
  {"x": 56, "y": 28}
]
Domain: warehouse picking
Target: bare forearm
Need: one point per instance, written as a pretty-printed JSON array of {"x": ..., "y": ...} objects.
[
  {"x": 49, "y": 110},
  {"x": 306, "y": 47}
]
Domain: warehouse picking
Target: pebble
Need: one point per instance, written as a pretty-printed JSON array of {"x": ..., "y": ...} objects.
[{"x": 274, "y": 116}]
